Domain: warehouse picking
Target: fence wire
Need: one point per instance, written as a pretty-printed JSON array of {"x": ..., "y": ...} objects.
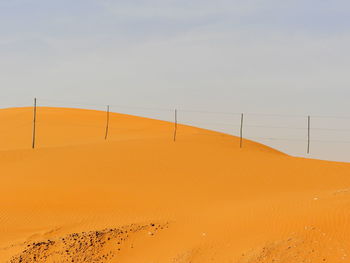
[{"x": 271, "y": 129}]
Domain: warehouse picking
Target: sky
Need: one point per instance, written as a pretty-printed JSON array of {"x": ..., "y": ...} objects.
[{"x": 287, "y": 57}]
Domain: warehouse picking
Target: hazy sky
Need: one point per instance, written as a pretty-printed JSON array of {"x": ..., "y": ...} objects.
[{"x": 270, "y": 56}]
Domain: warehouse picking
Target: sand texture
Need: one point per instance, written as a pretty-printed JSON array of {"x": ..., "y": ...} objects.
[{"x": 141, "y": 197}]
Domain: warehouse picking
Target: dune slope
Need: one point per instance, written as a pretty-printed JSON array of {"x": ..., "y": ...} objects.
[{"x": 140, "y": 197}]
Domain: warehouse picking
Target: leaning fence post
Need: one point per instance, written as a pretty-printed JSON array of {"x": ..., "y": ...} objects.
[
  {"x": 241, "y": 132},
  {"x": 34, "y": 125},
  {"x": 175, "y": 125},
  {"x": 308, "y": 133},
  {"x": 107, "y": 123}
]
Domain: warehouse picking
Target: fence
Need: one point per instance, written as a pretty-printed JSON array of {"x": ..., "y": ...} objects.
[{"x": 295, "y": 134}]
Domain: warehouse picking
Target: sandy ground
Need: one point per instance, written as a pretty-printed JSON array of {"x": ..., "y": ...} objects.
[{"x": 140, "y": 197}]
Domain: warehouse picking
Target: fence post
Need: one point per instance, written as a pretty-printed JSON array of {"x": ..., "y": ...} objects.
[
  {"x": 107, "y": 123},
  {"x": 34, "y": 125},
  {"x": 308, "y": 134},
  {"x": 241, "y": 131},
  {"x": 175, "y": 125}
]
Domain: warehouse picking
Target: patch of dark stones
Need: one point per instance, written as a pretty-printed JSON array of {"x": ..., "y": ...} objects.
[{"x": 94, "y": 246}]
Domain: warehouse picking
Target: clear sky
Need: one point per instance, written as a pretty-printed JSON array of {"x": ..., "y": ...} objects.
[{"x": 258, "y": 56}]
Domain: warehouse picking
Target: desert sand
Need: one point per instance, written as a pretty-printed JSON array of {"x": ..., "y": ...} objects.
[{"x": 140, "y": 197}]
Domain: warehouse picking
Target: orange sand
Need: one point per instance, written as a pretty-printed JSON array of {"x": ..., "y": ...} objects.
[{"x": 140, "y": 197}]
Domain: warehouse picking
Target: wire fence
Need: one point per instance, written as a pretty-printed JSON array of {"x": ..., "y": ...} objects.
[{"x": 325, "y": 137}]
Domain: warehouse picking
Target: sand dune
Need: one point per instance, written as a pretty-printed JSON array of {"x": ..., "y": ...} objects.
[{"x": 140, "y": 197}]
